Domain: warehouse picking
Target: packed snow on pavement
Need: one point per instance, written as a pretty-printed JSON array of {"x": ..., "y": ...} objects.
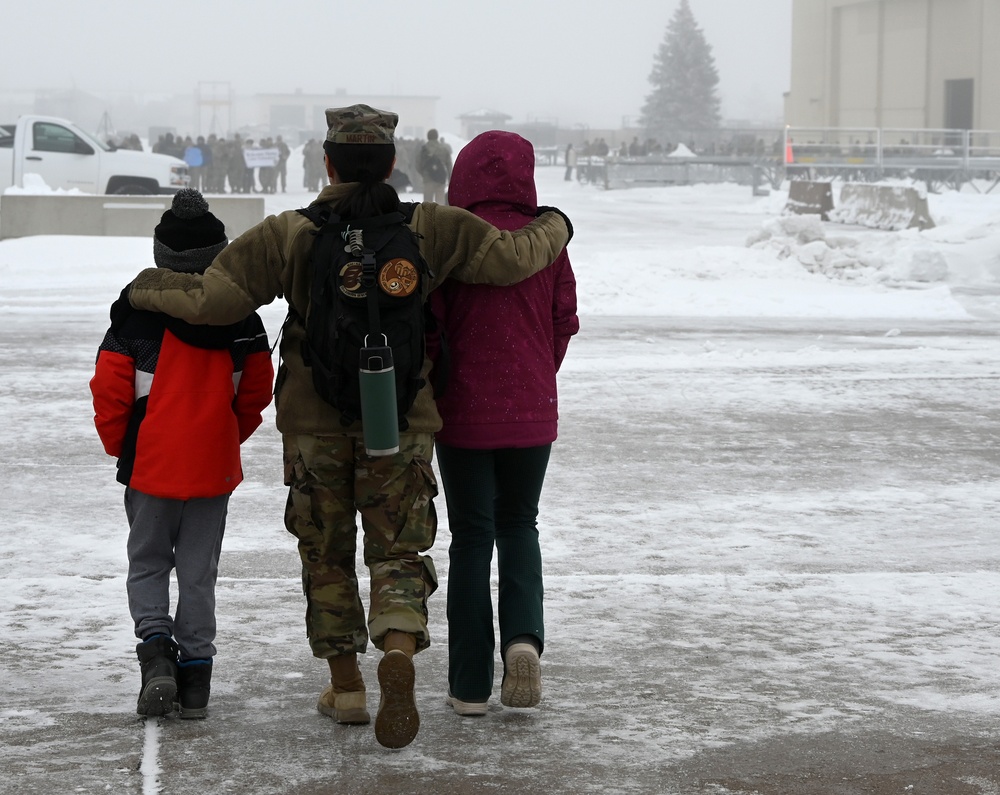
[{"x": 699, "y": 501}]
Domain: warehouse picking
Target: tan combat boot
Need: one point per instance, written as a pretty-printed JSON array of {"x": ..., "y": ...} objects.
[
  {"x": 344, "y": 698},
  {"x": 397, "y": 721}
]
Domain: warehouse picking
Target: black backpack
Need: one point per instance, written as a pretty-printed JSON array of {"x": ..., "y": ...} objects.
[
  {"x": 433, "y": 168},
  {"x": 367, "y": 278}
]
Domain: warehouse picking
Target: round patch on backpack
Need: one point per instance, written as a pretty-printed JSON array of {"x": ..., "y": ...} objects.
[
  {"x": 399, "y": 277},
  {"x": 350, "y": 280}
]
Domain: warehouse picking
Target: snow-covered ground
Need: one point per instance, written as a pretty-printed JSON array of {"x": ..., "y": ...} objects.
[{"x": 773, "y": 511}]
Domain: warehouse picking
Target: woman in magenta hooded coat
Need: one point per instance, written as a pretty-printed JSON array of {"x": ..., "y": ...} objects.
[{"x": 500, "y": 412}]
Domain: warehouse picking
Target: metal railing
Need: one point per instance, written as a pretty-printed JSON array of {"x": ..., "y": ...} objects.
[
  {"x": 865, "y": 154},
  {"x": 933, "y": 154}
]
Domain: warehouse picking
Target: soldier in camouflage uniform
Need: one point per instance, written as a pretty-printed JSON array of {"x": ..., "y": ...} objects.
[
  {"x": 434, "y": 166},
  {"x": 283, "y": 154},
  {"x": 236, "y": 166},
  {"x": 330, "y": 477},
  {"x": 217, "y": 166},
  {"x": 312, "y": 165}
]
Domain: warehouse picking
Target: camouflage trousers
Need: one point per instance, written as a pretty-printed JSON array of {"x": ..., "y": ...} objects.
[{"x": 331, "y": 479}]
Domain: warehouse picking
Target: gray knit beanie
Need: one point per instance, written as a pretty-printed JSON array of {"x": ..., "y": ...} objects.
[{"x": 188, "y": 236}]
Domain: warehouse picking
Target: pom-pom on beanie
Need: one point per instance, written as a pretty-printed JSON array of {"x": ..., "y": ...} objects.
[{"x": 188, "y": 236}]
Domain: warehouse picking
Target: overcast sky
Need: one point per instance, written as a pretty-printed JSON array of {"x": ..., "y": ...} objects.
[{"x": 557, "y": 60}]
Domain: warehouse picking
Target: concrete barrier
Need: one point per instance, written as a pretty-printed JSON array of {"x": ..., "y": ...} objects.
[
  {"x": 891, "y": 207},
  {"x": 119, "y": 216},
  {"x": 668, "y": 171},
  {"x": 809, "y": 198}
]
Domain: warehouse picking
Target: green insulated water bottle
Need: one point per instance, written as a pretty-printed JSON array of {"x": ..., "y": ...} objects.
[{"x": 378, "y": 401}]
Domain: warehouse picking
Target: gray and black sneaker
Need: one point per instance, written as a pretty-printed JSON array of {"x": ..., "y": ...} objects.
[
  {"x": 158, "y": 664},
  {"x": 194, "y": 684}
]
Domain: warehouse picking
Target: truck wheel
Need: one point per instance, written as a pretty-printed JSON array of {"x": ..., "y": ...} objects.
[{"x": 132, "y": 189}]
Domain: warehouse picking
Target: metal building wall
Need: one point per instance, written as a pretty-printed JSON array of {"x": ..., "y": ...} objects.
[{"x": 885, "y": 63}]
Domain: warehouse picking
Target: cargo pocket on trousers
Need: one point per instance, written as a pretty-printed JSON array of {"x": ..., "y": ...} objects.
[{"x": 420, "y": 516}]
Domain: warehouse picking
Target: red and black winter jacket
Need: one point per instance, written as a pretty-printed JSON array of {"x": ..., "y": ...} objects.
[{"x": 174, "y": 401}]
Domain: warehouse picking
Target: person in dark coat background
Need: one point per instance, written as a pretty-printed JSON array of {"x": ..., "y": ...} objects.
[{"x": 499, "y": 407}]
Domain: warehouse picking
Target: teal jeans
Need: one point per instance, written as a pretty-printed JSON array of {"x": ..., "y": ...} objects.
[{"x": 492, "y": 499}]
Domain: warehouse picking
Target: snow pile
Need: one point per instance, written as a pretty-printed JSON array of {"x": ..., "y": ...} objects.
[
  {"x": 692, "y": 251},
  {"x": 35, "y": 185},
  {"x": 898, "y": 260},
  {"x": 682, "y": 151},
  {"x": 882, "y": 206}
]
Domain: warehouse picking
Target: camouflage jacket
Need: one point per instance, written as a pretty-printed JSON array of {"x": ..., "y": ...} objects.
[{"x": 271, "y": 260}]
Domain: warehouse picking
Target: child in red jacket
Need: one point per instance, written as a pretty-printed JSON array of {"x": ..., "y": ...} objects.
[{"x": 173, "y": 402}]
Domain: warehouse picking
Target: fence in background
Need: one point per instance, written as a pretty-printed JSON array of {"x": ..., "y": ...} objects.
[{"x": 940, "y": 158}]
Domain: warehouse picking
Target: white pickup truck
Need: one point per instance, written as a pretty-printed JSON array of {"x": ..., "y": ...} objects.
[{"x": 66, "y": 157}]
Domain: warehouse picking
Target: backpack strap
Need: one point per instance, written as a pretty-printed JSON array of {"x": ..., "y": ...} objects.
[
  {"x": 319, "y": 287},
  {"x": 355, "y": 239},
  {"x": 406, "y": 210},
  {"x": 319, "y": 214}
]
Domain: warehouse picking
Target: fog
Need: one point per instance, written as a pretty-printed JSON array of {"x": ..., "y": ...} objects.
[{"x": 548, "y": 60}]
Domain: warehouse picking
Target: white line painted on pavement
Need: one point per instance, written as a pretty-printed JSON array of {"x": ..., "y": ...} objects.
[{"x": 150, "y": 765}]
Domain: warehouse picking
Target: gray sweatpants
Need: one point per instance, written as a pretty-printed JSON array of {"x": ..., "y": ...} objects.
[{"x": 185, "y": 535}]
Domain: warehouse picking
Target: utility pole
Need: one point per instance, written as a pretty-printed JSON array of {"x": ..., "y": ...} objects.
[
  {"x": 216, "y": 98},
  {"x": 105, "y": 130}
]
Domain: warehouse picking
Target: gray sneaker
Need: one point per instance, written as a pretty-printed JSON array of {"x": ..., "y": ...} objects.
[{"x": 467, "y": 708}]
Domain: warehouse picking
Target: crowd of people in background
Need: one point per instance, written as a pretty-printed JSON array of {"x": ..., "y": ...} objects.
[
  {"x": 239, "y": 164},
  {"x": 637, "y": 148},
  {"x": 126, "y": 142},
  {"x": 234, "y": 165},
  {"x": 738, "y": 145},
  {"x": 217, "y": 164}
]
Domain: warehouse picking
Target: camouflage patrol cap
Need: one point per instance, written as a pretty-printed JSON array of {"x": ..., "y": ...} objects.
[{"x": 360, "y": 124}]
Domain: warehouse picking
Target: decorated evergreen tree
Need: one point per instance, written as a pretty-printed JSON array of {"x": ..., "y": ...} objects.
[{"x": 684, "y": 79}]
